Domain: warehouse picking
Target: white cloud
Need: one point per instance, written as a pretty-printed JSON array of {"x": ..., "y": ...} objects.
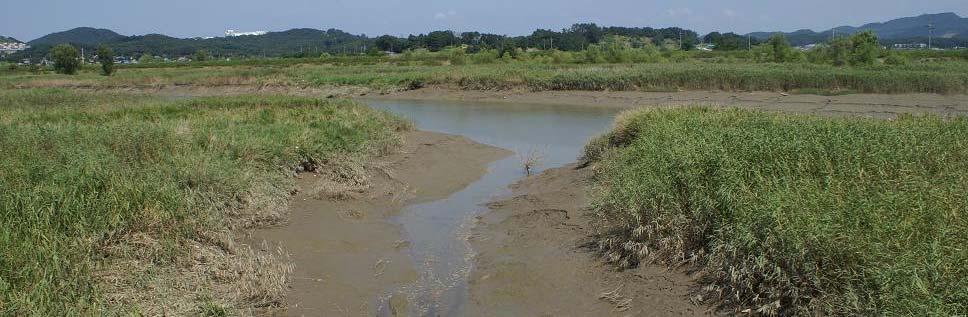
[
  {"x": 444, "y": 15},
  {"x": 729, "y": 13}
]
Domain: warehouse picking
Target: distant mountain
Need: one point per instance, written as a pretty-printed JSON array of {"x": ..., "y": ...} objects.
[
  {"x": 4, "y": 39},
  {"x": 948, "y": 28},
  {"x": 303, "y": 42},
  {"x": 296, "y": 41},
  {"x": 79, "y": 36}
]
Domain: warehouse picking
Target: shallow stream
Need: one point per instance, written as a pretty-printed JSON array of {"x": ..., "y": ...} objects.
[{"x": 437, "y": 231}]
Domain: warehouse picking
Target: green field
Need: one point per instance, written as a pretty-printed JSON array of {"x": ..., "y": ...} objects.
[
  {"x": 102, "y": 189},
  {"x": 788, "y": 214}
]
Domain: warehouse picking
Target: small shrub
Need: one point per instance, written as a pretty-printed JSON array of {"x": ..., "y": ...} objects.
[
  {"x": 896, "y": 59},
  {"x": 200, "y": 56},
  {"x": 106, "y": 58}
]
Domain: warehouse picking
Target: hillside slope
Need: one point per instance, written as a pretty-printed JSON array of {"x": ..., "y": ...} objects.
[
  {"x": 949, "y": 29},
  {"x": 81, "y": 35}
]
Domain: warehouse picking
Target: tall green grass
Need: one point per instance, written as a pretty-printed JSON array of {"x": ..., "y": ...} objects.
[
  {"x": 79, "y": 170},
  {"x": 794, "y": 215},
  {"x": 939, "y": 77}
]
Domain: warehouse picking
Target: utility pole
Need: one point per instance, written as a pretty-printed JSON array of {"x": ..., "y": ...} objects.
[
  {"x": 749, "y": 42},
  {"x": 82, "y": 55},
  {"x": 930, "y": 34},
  {"x": 680, "y": 40}
]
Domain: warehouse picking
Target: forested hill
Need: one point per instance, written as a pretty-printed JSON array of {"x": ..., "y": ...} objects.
[
  {"x": 82, "y": 35},
  {"x": 949, "y": 29},
  {"x": 4, "y": 39},
  {"x": 272, "y": 44},
  {"x": 291, "y": 42},
  {"x": 312, "y": 42}
]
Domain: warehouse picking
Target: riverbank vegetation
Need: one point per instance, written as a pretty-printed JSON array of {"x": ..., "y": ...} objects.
[
  {"x": 127, "y": 204},
  {"x": 936, "y": 77},
  {"x": 793, "y": 215},
  {"x": 852, "y": 65}
]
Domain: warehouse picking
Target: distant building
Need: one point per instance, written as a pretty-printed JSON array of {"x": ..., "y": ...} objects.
[
  {"x": 10, "y": 48},
  {"x": 232, "y": 33},
  {"x": 911, "y": 46},
  {"x": 705, "y": 47},
  {"x": 809, "y": 47}
]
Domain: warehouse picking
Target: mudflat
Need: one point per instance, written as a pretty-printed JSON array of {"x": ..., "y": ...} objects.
[
  {"x": 346, "y": 253},
  {"x": 536, "y": 257},
  {"x": 873, "y": 105}
]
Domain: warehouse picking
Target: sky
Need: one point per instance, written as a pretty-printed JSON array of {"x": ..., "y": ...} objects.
[{"x": 28, "y": 20}]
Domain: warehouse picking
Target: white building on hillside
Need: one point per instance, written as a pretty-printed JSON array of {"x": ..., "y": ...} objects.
[
  {"x": 231, "y": 33},
  {"x": 10, "y": 48}
]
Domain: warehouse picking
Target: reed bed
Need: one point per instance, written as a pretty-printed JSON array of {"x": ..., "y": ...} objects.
[
  {"x": 95, "y": 186},
  {"x": 938, "y": 77},
  {"x": 793, "y": 215}
]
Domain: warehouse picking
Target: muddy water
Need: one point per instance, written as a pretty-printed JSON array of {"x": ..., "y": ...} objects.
[{"x": 437, "y": 230}]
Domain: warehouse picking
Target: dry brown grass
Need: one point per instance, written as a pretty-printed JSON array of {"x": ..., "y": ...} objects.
[{"x": 219, "y": 272}]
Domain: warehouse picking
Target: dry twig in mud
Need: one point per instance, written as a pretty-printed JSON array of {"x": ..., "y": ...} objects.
[
  {"x": 531, "y": 160},
  {"x": 616, "y": 298}
]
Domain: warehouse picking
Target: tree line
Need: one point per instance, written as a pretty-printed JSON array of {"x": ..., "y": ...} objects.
[
  {"x": 313, "y": 43},
  {"x": 575, "y": 38}
]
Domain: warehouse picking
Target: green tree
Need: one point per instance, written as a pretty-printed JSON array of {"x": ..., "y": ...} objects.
[
  {"x": 591, "y": 32},
  {"x": 616, "y": 49},
  {"x": 780, "y": 48},
  {"x": 593, "y": 54},
  {"x": 66, "y": 59},
  {"x": 200, "y": 56},
  {"x": 374, "y": 51},
  {"x": 507, "y": 48},
  {"x": 106, "y": 58},
  {"x": 437, "y": 40},
  {"x": 388, "y": 43},
  {"x": 729, "y": 41},
  {"x": 863, "y": 48},
  {"x": 839, "y": 52}
]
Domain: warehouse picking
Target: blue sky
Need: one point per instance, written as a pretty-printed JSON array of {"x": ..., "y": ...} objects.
[{"x": 27, "y": 20}]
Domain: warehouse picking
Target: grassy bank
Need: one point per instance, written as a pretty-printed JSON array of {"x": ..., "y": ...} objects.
[
  {"x": 794, "y": 215},
  {"x": 937, "y": 77},
  {"x": 127, "y": 204}
]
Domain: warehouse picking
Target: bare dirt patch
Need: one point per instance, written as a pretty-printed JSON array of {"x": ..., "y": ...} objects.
[{"x": 535, "y": 257}]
